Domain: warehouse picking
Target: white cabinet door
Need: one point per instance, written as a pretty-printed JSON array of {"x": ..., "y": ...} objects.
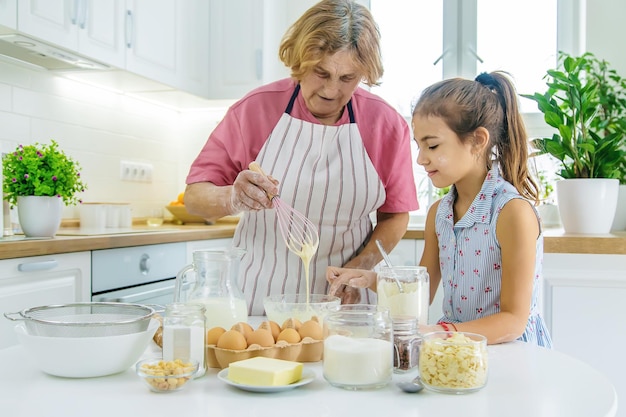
[
  {"x": 41, "y": 280},
  {"x": 167, "y": 41},
  {"x": 236, "y": 47},
  {"x": 101, "y": 31},
  {"x": 583, "y": 308},
  {"x": 54, "y": 21},
  {"x": 8, "y": 13},
  {"x": 90, "y": 27}
]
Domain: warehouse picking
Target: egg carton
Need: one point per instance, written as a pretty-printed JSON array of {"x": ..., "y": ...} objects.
[{"x": 308, "y": 350}]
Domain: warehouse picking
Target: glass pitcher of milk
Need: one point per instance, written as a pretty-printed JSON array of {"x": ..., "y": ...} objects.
[{"x": 211, "y": 280}]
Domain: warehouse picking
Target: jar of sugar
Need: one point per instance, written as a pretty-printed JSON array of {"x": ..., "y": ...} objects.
[
  {"x": 184, "y": 334},
  {"x": 358, "y": 348}
]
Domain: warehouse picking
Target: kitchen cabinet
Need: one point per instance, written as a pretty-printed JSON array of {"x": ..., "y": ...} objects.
[
  {"x": 164, "y": 40},
  {"x": 236, "y": 47},
  {"x": 41, "y": 280},
  {"x": 582, "y": 303},
  {"x": 8, "y": 13},
  {"x": 92, "y": 28},
  {"x": 168, "y": 41}
]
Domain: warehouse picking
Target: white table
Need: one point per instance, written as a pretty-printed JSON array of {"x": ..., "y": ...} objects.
[{"x": 524, "y": 381}]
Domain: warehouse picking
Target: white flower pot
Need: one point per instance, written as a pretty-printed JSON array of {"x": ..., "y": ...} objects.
[
  {"x": 39, "y": 216},
  {"x": 619, "y": 223},
  {"x": 587, "y": 205}
]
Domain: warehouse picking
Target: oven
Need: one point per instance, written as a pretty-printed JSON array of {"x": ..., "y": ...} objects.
[{"x": 138, "y": 274}]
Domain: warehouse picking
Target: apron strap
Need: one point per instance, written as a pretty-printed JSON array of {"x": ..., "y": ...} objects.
[{"x": 292, "y": 100}]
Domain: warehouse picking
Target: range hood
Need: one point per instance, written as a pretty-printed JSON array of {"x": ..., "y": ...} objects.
[{"x": 25, "y": 49}]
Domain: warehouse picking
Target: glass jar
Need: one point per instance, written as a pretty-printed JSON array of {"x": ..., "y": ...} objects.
[
  {"x": 184, "y": 334},
  {"x": 406, "y": 343},
  {"x": 453, "y": 362},
  {"x": 358, "y": 348},
  {"x": 413, "y": 299}
]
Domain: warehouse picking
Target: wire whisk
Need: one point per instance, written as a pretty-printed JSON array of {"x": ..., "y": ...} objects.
[{"x": 299, "y": 233}]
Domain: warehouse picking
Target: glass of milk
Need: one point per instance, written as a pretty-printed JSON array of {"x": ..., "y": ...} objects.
[
  {"x": 358, "y": 348},
  {"x": 413, "y": 299}
]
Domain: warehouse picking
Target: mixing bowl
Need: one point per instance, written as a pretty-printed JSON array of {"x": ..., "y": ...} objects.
[
  {"x": 85, "y": 357},
  {"x": 281, "y": 307}
]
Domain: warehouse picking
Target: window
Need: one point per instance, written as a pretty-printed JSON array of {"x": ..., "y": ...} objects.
[{"x": 424, "y": 41}]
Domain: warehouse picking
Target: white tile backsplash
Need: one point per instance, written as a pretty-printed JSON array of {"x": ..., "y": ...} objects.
[{"x": 99, "y": 128}]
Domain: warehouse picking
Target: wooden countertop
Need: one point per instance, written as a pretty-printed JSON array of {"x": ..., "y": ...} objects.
[{"x": 556, "y": 241}]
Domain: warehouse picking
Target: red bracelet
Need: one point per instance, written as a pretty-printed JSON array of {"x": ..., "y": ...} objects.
[{"x": 445, "y": 324}]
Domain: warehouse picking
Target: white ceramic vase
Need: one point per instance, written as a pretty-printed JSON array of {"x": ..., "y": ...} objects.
[
  {"x": 39, "y": 216},
  {"x": 587, "y": 205}
]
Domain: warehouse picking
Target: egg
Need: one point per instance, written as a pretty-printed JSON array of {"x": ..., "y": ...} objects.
[
  {"x": 289, "y": 335},
  {"x": 261, "y": 337},
  {"x": 312, "y": 329},
  {"x": 272, "y": 326},
  {"x": 213, "y": 334},
  {"x": 243, "y": 327},
  {"x": 291, "y": 324},
  {"x": 233, "y": 340}
]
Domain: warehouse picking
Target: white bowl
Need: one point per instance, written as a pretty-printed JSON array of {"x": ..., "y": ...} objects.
[
  {"x": 86, "y": 357},
  {"x": 280, "y": 307}
]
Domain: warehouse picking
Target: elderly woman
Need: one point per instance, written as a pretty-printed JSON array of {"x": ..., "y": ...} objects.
[{"x": 334, "y": 152}]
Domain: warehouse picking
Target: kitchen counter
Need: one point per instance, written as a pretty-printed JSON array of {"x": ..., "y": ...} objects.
[
  {"x": 524, "y": 380},
  {"x": 556, "y": 241}
]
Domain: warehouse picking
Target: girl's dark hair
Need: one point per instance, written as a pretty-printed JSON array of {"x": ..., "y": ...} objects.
[{"x": 490, "y": 101}]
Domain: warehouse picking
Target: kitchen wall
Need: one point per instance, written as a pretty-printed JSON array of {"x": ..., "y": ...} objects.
[{"x": 99, "y": 128}]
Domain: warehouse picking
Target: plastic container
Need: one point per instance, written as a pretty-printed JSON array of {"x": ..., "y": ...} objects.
[
  {"x": 453, "y": 362},
  {"x": 358, "y": 348}
]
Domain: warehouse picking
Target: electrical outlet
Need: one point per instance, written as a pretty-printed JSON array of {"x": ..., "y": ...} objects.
[{"x": 135, "y": 171}]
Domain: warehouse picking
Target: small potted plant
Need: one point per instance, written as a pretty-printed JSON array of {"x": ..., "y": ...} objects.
[
  {"x": 586, "y": 102},
  {"x": 39, "y": 179}
]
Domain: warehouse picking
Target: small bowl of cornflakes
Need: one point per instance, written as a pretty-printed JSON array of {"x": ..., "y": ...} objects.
[
  {"x": 166, "y": 376},
  {"x": 453, "y": 362}
]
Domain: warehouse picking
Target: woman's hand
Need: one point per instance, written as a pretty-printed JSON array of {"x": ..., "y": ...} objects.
[
  {"x": 345, "y": 283},
  {"x": 251, "y": 191}
]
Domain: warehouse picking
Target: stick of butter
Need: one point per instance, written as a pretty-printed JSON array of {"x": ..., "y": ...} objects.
[{"x": 265, "y": 371}]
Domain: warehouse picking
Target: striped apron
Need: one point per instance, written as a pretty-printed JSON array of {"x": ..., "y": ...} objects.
[{"x": 324, "y": 173}]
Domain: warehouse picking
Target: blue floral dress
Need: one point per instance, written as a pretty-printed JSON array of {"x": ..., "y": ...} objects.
[{"x": 470, "y": 258}]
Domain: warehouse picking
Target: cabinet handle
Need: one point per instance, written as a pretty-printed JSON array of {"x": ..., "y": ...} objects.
[
  {"x": 128, "y": 33},
  {"x": 82, "y": 14},
  {"x": 74, "y": 17},
  {"x": 37, "y": 266}
]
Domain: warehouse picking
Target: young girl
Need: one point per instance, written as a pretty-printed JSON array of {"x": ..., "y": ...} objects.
[{"x": 483, "y": 240}]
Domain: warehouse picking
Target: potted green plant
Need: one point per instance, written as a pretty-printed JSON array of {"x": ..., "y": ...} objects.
[
  {"x": 586, "y": 102},
  {"x": 39, "y": 179}
]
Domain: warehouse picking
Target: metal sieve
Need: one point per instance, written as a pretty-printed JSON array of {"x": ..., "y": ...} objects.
[{"x": 85, "y": 319}]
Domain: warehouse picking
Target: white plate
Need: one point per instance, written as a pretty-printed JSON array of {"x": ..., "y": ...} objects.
[{"x": 307, "y": 377}]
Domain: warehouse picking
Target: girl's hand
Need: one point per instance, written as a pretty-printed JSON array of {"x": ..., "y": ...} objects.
[{"x": 347, "y": 280}]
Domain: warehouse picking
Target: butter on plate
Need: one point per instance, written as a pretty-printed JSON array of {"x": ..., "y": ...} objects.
[{"x": 265, "y": 371}]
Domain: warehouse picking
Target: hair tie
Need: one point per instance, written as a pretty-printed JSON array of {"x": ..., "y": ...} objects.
[{"x": 487, "y": 80}]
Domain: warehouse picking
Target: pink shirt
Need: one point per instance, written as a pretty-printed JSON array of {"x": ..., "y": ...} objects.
[{"x": 238, "y": 138}]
